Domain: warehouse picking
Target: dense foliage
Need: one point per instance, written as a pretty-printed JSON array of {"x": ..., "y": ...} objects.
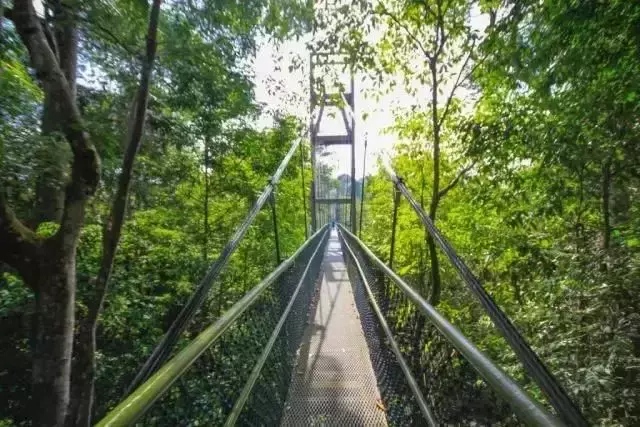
[
  {"x": 544, "y": 161},
  {"x": 523, "y": 146},
  {"x": 200, "y": 168}
]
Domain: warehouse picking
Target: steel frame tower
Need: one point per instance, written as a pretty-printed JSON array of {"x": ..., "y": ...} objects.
[{"x": 335, "y": 206}]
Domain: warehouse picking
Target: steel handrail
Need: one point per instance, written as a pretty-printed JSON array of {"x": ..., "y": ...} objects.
[
  {"x": 524, "y": 406},
  {"x": 143, "y": 397},
  {"x": 535, "y": 368}
]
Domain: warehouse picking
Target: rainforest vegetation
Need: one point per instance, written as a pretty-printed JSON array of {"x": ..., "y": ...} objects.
[{"x": 130, "y": 152}]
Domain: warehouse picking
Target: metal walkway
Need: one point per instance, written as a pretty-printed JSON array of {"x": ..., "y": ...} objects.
[{"x": 333, "y": 382}]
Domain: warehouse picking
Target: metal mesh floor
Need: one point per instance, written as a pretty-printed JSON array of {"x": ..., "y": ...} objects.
[{"x": 334, "y": 383}]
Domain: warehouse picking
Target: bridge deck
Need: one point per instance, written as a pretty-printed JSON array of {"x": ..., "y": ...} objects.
[{"x": 333, "y": 382}]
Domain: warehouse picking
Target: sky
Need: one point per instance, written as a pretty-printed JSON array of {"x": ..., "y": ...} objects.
[
  {"x": 287, "y": 90},
  {"x": 292, "y": 96}
]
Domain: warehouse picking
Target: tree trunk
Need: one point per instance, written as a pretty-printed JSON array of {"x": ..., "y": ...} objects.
[
  {"x": 205, "y": 239},
  {"x": 434, "y": 298},
  {"x": 606, "y": 213},
  {"x": 517, "y": 289},
  {"x": 53, "y": 340},
  {"x": 424, "y": 284},
  {"x": 49, "y": 189},
  {"x": 52, "y": 273},
  {"x": 606, "y": 202},
  {"x": 83, "y": 376}
]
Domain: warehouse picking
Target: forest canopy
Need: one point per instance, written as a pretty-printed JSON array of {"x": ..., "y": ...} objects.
[{"x": 130, "y": 152}]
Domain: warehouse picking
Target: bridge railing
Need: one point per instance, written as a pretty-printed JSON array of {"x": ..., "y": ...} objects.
[
  {"x": 533, "y": 366},
  {"x": 427, "y": 370},
  {"x": 239, "y": 368},
  {"x": 211, "y": 280}
]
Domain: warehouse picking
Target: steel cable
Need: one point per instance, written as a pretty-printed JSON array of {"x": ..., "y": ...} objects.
[{"x": 558, "y": 397}]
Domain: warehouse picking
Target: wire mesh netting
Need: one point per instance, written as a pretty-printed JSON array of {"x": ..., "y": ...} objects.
[
  {"x": 454, "y": 391},
  {"x": 267, "y": 399},
  {"x": 458, "y": 302},
  {"x": 206, "y": 394}
]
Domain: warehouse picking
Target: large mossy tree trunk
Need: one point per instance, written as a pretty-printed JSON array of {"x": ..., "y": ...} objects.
[
  {"x": 47, "y": 265},
  {"x": 62, "y": 35}
]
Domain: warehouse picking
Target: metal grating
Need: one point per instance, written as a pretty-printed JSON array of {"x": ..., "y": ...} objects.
[{"x": 333, "y": 381}]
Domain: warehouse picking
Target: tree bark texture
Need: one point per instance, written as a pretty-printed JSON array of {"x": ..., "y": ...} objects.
[
  {"x": 53, "y": 340},
  {"x": 205, "y": 239},
  {"x": 606, "y": 204},
  {"x": 63, "y": 40},
  {"x": 48, "y": 266},
  {"x": 434, "y": 297}
]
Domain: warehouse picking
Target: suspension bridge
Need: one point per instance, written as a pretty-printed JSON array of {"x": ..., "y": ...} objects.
[{"x": 334, "y": 336}]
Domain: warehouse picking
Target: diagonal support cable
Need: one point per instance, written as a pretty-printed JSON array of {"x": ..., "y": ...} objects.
[
  {"x": 274, "y": 218},
  {"x": 163, "y": 350},
  {"x": 558, "y": 397}
]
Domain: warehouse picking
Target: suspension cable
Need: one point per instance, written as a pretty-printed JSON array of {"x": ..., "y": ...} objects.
[
  {"x": 274, "y": 218},
  {"x": 536, "y": 369}
]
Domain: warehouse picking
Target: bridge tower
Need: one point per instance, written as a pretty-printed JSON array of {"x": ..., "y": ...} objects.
[{"x": 333, "y": 190}]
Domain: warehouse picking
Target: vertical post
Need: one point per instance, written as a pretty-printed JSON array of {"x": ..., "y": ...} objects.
[
  {"x": 205, "y": 241},
  {"x": 272, "y": 202},
  {"x": 304, "y": 196},
  {"x": 394, "y": 225},
  {"x": 364, "y": 168},
  {"x": 353, "y": 157},
  {"x": 312, "y": 137}
]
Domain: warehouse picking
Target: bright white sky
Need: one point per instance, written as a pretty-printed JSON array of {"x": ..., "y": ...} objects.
[
  {"x": 288, "y": 91},
  {"x": 294, "y": 99}
]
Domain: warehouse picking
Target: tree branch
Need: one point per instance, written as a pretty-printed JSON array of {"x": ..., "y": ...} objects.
[
  {"x": 19, "y": 248},
  {"x": 82, "y": 390},
  {"x": 114, "y": 38},
  {"x": 455, "y": 180},
  {"x": 427, "y": 9},
  {"x": 459, "y": 82},
  {"x": 85, "y": 172},
  {"x": 441, "y": 37},
  {"x": 116, "y": 218},
  {"x": 412, "y": 36},
  {"x": 53, "y": 81}
]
